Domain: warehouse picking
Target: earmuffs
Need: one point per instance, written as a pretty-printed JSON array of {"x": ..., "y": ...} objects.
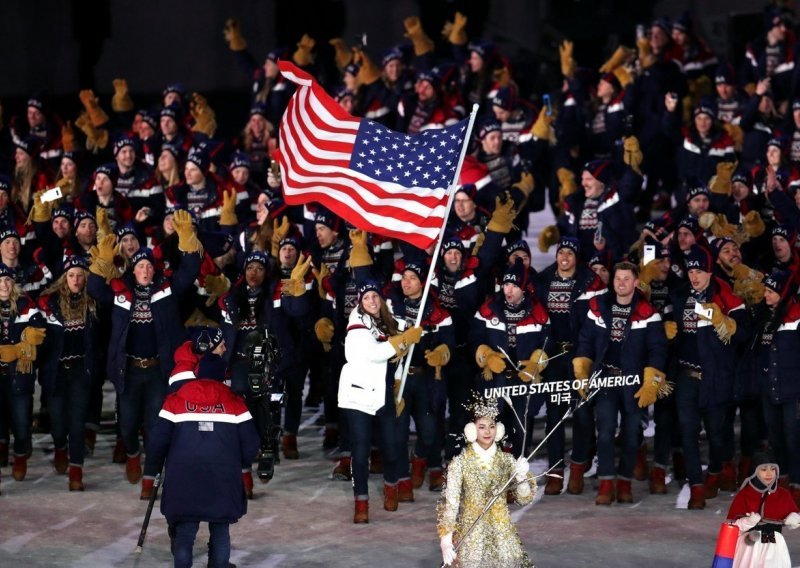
[{"x": 471, "y": 432}]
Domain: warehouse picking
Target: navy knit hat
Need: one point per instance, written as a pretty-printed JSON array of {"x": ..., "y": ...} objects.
[
  {"x": 147, "y": 117},
  {"x": 199, "y": 159},
  {"x": 601, "y": 257},
  {"x": 63, "y": 212},
  {"x": 8, "y": 233},
  {"x": 773, "y": 17},
  {"x": 217, "y": 244},
  {"x": 6, "y": 271},
  {"x": 75, "y": 261},
  {"x": 570, "y": 243},
  {"x": 177, "y": 88},
  {"x": 785, "y": 231},
  {"x": 469, "y": 189},
  {"x": 80, "y": 215},
  {"x": 278, "y": 53},
  {"x": 489, "y": 125},
  {"x": 599, "y": 170},
  {"x": 482, "y": 48},
  {"x": 725, "y": 74},
  {"x": 691, "y": 225},
  {"x": 703, "y": 108},
  {"x": 696, "y": 188},
  {"x": 742, "y": 175},
  {"x": 452, "y": 243},
  {"x": 612, "y": 80},
  {"x": 718, "y": 243},
  {"x": 36, "y": 101},
  {"x": 417, "y": 269},
  {"x": 173, "y": 111},
  {"x": 259, "y": 109},
  {"x": 516, "y": 274},
  {"x": 109, "y": 170},
  {"x": 256, "y": 256},
  {"x": 327, "y": 218},
  {"x": 29, "y": 145},
  {"x": 341, "y": 93},
  {"x": 777, "y": 282},
  {"x": 779, "y": 143},
  {"x": 683, "y": 23},
  {"x": 126, "y": 229},
  {"x": 504, "y": 98},
  {"x": 698, "y": 258},
  {"x": 240, "y": 160},
  {"x": 664, "y": 24},
  {"x": 206, "y": 339},
  {"x": 176, "y": 151},
  {"x": 521, "y": 244},
  {"x": 369, "y": 286},
  {"x": 289, "y": 241},
  {"x": 431, "y": 78},
  {"x": 393, "y": 54},
  {"x": 122, "y": 142},
  {"x": 143, "y": 253}
]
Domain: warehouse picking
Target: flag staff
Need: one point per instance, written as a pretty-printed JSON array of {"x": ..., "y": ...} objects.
[{"x": 437, "y": 249}]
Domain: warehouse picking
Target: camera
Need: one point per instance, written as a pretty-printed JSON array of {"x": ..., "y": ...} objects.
[{"x": 265, "y": 397}]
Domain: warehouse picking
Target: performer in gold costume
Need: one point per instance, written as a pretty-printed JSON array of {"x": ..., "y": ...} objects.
[{"x": 473, "y": 477}]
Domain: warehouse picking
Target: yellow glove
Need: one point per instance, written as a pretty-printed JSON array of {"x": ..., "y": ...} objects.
[
  {"x": 654, "y": 386},
  {"x": 422, "y": 43},
  {"x": 566, "y": 181},
  {"x": 103, "y": 268},
  {"x": 40, "y": 211},
  {"x": 368, "y": 72},
  {"x": 280, "y": 229},
  {"x": 735, "y": 131},
  {"x": 302, "y": 55},
  {"x": 478, "y": 244},
  {"x": 646, "y": 57},
  {"x": 670, "y": 330},
  {"x": 33, "y": 335},
  {"x": 650, "y": 272},
  {"x": 502, "y": 76},
  {"x": 724, "y": 326},
  {"x": 359, "y": 253},
  {"x": 320, "y": 276},
  {"x": 205, "y": 119},
  {"x": 97, "y": 115},
  {"x": 296, "y": 285},
  {"x": 187, "y": 239},
  {"x": 750, "y": 291},
  {"x": 233, "y": 35},
  {"x": 503, "y": 215},
  {"x": 106, "y": 246},
  {"x": 567, "y": 61},
  {"x": 437, "y": 358},
  {"x": 532, "y": 368},
  {"x": 490, "y": 361},
  {"x": 68, "y": 137},
  {"x": 454, "y": 31},
  {"x": 753, "y": 224},
  {"x": 121, "y": 101},
  {"x": 623, "y": 75},
  {"x": 582, "y": 366},
  {"x": 542, "y": 128},
  {"x": 324, "y": 329},
  {"x": 402, "y": 341},
  {"x": 618, "y": 58},
  {"x": 227, "y": 213},
  {"x": 103, "y": 222},
  {"x": 721, "y": 183},
  {"x": 96, "y": 138},
  {"x": 23, "y": 353},
  {"x": 526, "y": 183},
  {"x": 216, "y": 285},
  {"x": 343, "y": 55},
  {"x": 548, "y": 237},
  {"x": 744, "y": 272},
  {"x": 633, "y": 154}
]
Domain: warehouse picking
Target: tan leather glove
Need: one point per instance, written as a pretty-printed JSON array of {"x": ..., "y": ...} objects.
[
  {"x": 454, "y": 31},
  {"x": 106, "y": 246},
  {"x": 96, "y": 138},
  {"x": 438, "y": 358},
  {"x": 623, "y": 75},
  {"x": 654, "y": 386},
  {"x": 121, "y": 101},
  {"x": 402, "y": 341},
  {"x": 233, "y": 35},
  {"x": 744, "y": 272},
  {"x": 68, "y": 137},
  {"x": 324, "y": 329},
  {"x": 187, "y": 239},
  {"x": 751, "y": 291},
  {"x": 649, "y": 272},
  {"x": 670, "y": 330},
  {"x": 721, "y": 183},
  {"x": 33, "y": 335},
  {"x": 582, "y": 366},
  {"x": 343, "y": 55},
  {"x": 97, "y": 115},
  {"x": 526, "y": 183},
  {"x": 302, "y": 55},
  {"x": 103, "y": 222},
  {"x": 503, "y": 216},
  {"x": 359, "y": 253},
  {"x": 542, "y": 128},
  {"x": 633, "y": 153},
  {"x": 618, "y": 58},
  {"x": 548, "y": 237},
  {"x": 735, "y": 131},
  {"x": 227, "y": 213},
  {"x": 99, "y": 256},
  {"x": 567, "y": 61},
  {"x": 23, "y": 353},
  {"x": 215, "y": 286},
  {"x": 490, "y": 361},
  {"x": 280, "y": 229},
  {"x": 296, "y": 284},
  {"x": 724, "y": 326},
  {"x": 205, "y": 119},
  {"x": 646, "y": 57},
  {"x": 532, "y": 368},
  {"x": 320, "y": 275},
  {"x": 478, "y": 244},
  {"x": 419, "y": 39},
  {"x": 753, "y": 224},
  {"x": 40, "y": 211},
  {"x": 368, "y": 72},
  {"x": 567, "y": 185}
]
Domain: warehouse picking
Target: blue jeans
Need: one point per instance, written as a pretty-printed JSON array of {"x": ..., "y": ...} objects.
[
  {"x": 69, "y": 405},
  {"x": 19, "y": 408},
  {"x": 687, "y": 397},
  {"x": 667, "y": 436},
  {"x": 610, "y": 403},
  {"x": 361, "y": 426},
  {"x": 140, "y": 404},
  {"x": 783, "y": 426},
  {"x": 219, "y": 545},
  {"x": 418, "y": 405}
]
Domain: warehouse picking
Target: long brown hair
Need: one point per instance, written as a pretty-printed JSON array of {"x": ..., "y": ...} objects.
[
  {"x": 385, "y": 321},
  {"x": 85, "y": 308},
  {"x": 22, "y": 187}
]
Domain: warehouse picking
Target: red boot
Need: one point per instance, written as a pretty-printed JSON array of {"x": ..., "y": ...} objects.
[
  {"x": 20, "y": 467},
  {"x": 658, "y": 481},
  {"x": 436, "y": 480},
  {"x": 342, "y": 470},
  {"x": 711, "y": 485},
  {"x": 61, "y": 461},
  {"x": 390, "y": 497},
  {"x": 745, "y": 470},
  {"x": 289, "y": 446},
  {"x": 624, "y": 493},
  {"x": 605, "y": 492},
  {"x": 555, "y": 484},
  {"x": 361, "y": 515},
  {"x": 405, "y": 491},
  {"x": 576, "y": 471},
  {"x": 133, "y": 469},
  {"x": 119, "y": 452},
  {"x": 697, "y": 500},
  {"x": 247, "y": 481},
  {"x": 331, "y": 439},
  {"x": 727, "y": 480},
  {"x": 147, "y": 488},
  {"x": 418, "y": 466},
  {"x": 75, "y": 478},
  {"x": 640, "y": 470}
]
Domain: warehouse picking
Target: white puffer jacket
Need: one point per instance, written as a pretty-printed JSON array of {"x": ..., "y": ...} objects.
[{"x": 362, "y": 384}]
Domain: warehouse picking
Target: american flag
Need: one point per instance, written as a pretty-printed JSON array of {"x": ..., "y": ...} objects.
[{"x": 379, "y": 180}]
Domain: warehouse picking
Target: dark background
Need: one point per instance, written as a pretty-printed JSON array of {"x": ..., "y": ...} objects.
[{"x": 63, "y": 45}]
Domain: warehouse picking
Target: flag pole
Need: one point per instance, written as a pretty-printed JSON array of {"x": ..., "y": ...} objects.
[{"x": 437, "y": 249}]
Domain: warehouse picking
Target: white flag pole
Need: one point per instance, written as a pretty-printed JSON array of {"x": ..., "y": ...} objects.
[{"x": 431, "y": 271}]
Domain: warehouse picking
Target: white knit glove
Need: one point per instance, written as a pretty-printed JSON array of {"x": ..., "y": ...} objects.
[
  {"x": 522, "y": 468},
  {"x": 448, "y": 551},
  {"x": 747, "y": 522},
  {"x": 792, "y": 520}
]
